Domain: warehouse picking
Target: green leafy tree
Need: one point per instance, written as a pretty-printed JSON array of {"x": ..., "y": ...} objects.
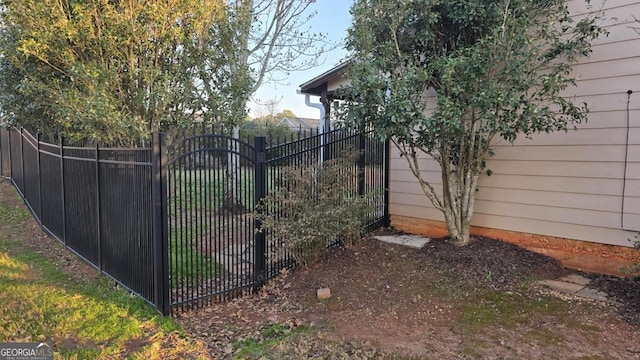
[
  {"x": 448, "y": 78},
  {"x": 114, "y": 70}
]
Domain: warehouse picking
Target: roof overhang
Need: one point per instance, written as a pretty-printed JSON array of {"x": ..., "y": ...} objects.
[{"x": 318, "y": 84}]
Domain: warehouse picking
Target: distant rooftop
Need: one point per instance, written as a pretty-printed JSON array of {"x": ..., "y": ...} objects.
[{"x": 295, "y": 123}]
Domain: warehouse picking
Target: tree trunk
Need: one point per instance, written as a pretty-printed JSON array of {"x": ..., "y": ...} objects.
[
  {"x": 232, "y": 202},
  {"x": 459, "y": 201},
  {"x": 458, "y": 229}
]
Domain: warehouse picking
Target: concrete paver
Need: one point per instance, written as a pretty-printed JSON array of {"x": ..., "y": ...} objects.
[
  {"x": 576, "y": 279},
  {"x": 592, "y": 294},
  {"x": 562, "y": 286},
  {"x": 414, "y": 241},
  {"x": 575, "y": 285}
]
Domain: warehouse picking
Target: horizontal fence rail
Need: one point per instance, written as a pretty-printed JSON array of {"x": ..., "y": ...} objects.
[{"x": 175, "y": 224}]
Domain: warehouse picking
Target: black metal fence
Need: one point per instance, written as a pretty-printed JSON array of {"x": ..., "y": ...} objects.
[
  {"x": 96, "y": 201},
  {"x": 174, "y": 224}
]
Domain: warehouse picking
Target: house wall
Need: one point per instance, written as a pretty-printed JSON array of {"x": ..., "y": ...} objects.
[
  {"x": 336, "y": 82},
  {"x": 574, "y": 185}
]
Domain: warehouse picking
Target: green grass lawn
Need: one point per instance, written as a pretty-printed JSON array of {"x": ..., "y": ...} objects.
[
  {"x": 84, "y": 316},
  {"x": 195, "y": 204},
  {"x": 204, "y": 190}
]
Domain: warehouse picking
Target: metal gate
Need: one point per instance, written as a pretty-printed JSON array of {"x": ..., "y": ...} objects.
[
  {"x": 215, "y": 181},
  {"x": 213, "y": 184}
]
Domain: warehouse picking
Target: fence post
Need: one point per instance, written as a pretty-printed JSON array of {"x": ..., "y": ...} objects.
[
  {"x": 98, "y": 213},
  {"x": 9, "y": 152},
  {"x": 159, "y": 222},
  {"x": 22, "y": 189},
  {"x": 39, "y": 179},
  {"x": 387, "y": 162},
  {"x": 1, "y": 153},
  {"x": 260, "y": 191},
  {"x": 360, "y": 164},
  {"x": 4, "y": 154},
  {"x": 64, "y": 197}
]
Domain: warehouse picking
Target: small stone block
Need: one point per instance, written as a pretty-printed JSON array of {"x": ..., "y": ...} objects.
[
  {"x": 592, "y": 294},
  {"x": 562, "y": 286},
  {"x": 576, "y": 279},
  {"x": 324, "y": 293}
]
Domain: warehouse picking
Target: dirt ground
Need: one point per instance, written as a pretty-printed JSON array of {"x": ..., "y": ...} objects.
[{"x": 441, "y": 302}]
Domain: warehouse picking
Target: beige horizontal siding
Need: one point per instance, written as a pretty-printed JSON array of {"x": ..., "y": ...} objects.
[
  {"x": 624, "y": 67},
  {"x": 614, "y": 51},
  {"x": 582, "y": 7},
  {"x": 633, "y": 188},
  {"x": 614, "y": 105},
  {"x": 596, "y": 209},
  {"x": 567, "y": 169},
  {"x": 603, "y": 119},
  {"x": 337, "y": 82},
  {"x": 595, "y": 202},
  {"x": 569, "y": 184},
  {"x": 603, "y": 86},
  {"x": 606, "y": 152},
  {"x": 619, "y": 32},
  {"x": 630, "y": 222},
  {"x": 568, "y": 214},
  {"x": 585, "y": 136},
  {"x": 554, "y": 184},
  {"x": 422, "y": 212},
  {"x": 633, "y": 170},
  {"x": 632, "y": 207},
  {"x": 402, "y": 181}
]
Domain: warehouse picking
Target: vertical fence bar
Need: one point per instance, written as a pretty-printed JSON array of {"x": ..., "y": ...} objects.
[
  {"x": 260, "y": 189},
  {"x": 164, "y": 171},
  {"x": 22, "y": 188},
  {"x": 5, "y": 156},
  {"x": 9, "y": 150},
  {"x": 2, "y": 153},
  {"x": 64, "y": 196},
  {"x": 361, "y": 162},
  {"x": 387, "y": 161},
  {"x": 98, "y": 212},
  {"x": 39, "y": 178},
  {"x": 10, "y": 155},
  {"x": 160, "y": 223}
]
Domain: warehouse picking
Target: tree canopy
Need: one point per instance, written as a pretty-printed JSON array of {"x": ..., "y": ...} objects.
[
  {"x": 114, "y": 70},
  {"x": 448, "y": 78}
]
